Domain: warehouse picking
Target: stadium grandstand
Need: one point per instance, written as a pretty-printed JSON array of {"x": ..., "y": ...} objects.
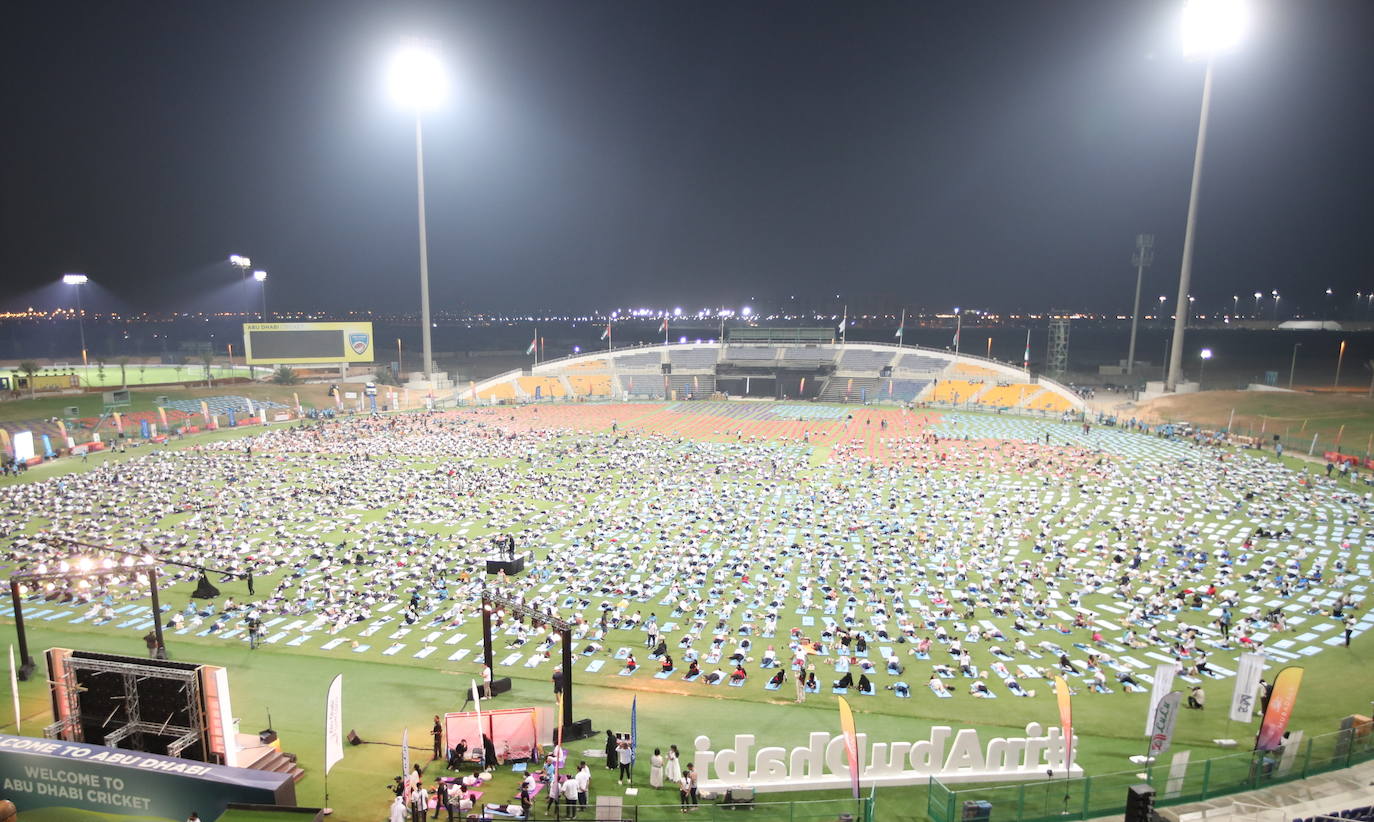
[{"x": 783, "y": 364}]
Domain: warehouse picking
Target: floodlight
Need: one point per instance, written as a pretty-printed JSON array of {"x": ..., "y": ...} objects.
[
  {"x": 1211, "y": 26},
  {"x": 1205, "y": 353},
  {"x": 260, "y": 275},
  {"x": 417, "y": 77},
  {"x": 75, "y": 279},
  {"x": 746, "y": 311},
  {"x": 240, "y": 261}
]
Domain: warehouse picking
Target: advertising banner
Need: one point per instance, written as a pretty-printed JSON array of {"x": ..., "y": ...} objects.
[
  {"x": 333, "y": 723},
  {"x": 1166, "y": 716},
  {"x": 1164, "y": 682},
  {"x": 1281, "y": 702},
  {"x": 80, "y": 781},
  {"x": 1247, "y": 680}
]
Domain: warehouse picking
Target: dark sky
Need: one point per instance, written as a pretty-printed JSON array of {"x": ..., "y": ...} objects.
[{"x": 1001, "y": 154}]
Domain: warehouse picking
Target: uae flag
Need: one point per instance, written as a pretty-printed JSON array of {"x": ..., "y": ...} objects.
[
  {"x": 664, "y": 327},
  {"x": 534, "y": 342},
  {"x": 607, "y": 332}
]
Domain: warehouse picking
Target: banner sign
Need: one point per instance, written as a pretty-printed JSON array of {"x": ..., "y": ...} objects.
[
  {"x": 851, "y": 743},
  {"x": 71, "y": 776},
  {"x": 1248, "y": 674},
  {"x": 333, "y": 723},
  {"x": 1166, "y": 716},
  {"x": 1281, "y": 702},
  {"x": 1164, "y": 683},
  {"x": 1061, "y": 692}
]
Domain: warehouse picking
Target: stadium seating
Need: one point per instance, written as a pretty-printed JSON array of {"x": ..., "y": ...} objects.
[
  {"x": 808, "y": 355},
  {"x": 590, "y": 386},
  {"x": 853, "y": 389},
  {"x": 589, "y": 365},
  {"x": 955, "y": 390},
  {"x": 922, "y": 363},
  {"x": 544, "y": 387},
  {"x": 969, "y": 369},
  {"x": 692, "y": 357},
  {"x": 500, "y": 392},
  {"x": 223, "y": 405},
  {"x": 1049, "y": 401},
  {"x": 750, "y": 353},
  {"x": 642, "y": 385},
  {"x": 864, "y": 359},
  {"x": 905, "y": 390},
  {"x": 645, "y": 359},
  {"x": 697, "y": 385},
  {"x": 1007, "y": 396}
]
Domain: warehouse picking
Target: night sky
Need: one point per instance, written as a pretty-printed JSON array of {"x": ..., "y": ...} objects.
[{"x": 595, "y": 154}]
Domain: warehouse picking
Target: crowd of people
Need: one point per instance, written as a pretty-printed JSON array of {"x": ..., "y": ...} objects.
[{"x": 1000, "y": 560}]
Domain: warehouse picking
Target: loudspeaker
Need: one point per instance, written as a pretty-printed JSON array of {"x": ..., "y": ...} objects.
[
  {"x": 1140, "y": 803},
  {"x": 977, "y": 810},
  {"x": 499, "y": 685},
  {"x": 267, "y": 737},
  {"x": 667, "y": 368},
  {"x": 738, "y": 796},
  {"x": 581, "y": 729},
  {"x": 353, "y": 738}
]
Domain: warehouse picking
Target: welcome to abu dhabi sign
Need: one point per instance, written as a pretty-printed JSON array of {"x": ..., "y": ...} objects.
[
  {"x": 52, "y": 773},
  {"x": 952, "y": 756}
]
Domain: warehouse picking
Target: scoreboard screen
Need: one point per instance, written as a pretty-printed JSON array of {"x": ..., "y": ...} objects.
[{"x": 287, "y": 343}]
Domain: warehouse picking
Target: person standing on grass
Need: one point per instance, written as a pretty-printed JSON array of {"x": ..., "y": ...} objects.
[
  {"x": 656, "y": 769},
  {"x": 438, "y": 733},
  {"x": 572, "y": 796},
  {"x": 584, "y": 782}
]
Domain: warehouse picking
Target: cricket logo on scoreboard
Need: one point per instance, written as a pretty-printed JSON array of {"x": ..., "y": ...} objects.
[{"x": 358, "y": 341}]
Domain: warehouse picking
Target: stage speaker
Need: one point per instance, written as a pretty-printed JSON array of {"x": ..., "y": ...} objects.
[
  {"x": 739, "y": 796},
  {"x": 885, "y": 371},
  {"x": 667, "y": 368},
  {"x": 977, "y": 810},
  {"x": 267, "y": 737},
  {"x": 499, "y": 685},
  {"x": 581, "y": 729},
  {"x": 1140, "y": 803},
  {"x": 353, "y": 738}
]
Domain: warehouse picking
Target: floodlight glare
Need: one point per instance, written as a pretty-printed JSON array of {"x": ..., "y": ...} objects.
[
  {"x": 417, "y": 77},
  {"x": 259, "y": 275},
  {"x": 1206, "y": 353},
  {"x": 75, "y": 279},
  {"x": 239, "y": 260},
  {"x": 1211, "y": 26}
]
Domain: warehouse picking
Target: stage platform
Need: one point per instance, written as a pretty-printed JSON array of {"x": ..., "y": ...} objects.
[{"x": 510, "y": 566}]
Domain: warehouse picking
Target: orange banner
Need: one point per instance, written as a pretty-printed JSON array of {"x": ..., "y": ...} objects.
[
  {"x": 1281, "y": 701},
  {"x": 851, "y": 743},
  {"x": 1061, "y": 691},
  {"x": 162, "y": 415}
]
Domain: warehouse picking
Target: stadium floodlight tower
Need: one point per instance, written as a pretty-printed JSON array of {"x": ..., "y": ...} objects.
[
  {"x": 260, "y": 277},
  {"x": 1210, "y": 27},
  {"x": 76, "y": 281},
  {"x": 419, "y": 83}
]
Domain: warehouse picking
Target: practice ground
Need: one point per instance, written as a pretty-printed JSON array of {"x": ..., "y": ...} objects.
[
  {"x": 816, "y": 450},
  {"x": 1294, "y": 416}
]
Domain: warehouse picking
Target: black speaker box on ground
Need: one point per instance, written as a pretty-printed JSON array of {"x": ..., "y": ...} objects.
[
  {"x": 581, "y": 729},
  {"x": 739, "y": 796},
  {"x": 267, "y": 737},
  {"x": 1140, "y": 803},
  {"x": 499, "y": 685},
  {"x": 353, "y": 738}
]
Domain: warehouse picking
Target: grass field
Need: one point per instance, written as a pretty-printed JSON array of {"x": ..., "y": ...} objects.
[
  {"x": 1296, "y": 417},
  {"x": 383, "y": 695}
]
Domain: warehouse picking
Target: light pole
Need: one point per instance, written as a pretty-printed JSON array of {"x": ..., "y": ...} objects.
[
  {"x": 1293, "y": 366},
  {"x": 418, "y": 82},
  {"x": 1275, "y": 295},
  {"x": 76, "y": 281},
  {"x": 1209, "y": 26},
  {"x": 1144, "y": 253},
  {"x": 1255, "y": 314},
  {"x": 1205, "y": 355},
  {"x": 260, "y": 277},
  {"x": 244, "y": 265},
  {"x": 1235, "y": 305}
]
